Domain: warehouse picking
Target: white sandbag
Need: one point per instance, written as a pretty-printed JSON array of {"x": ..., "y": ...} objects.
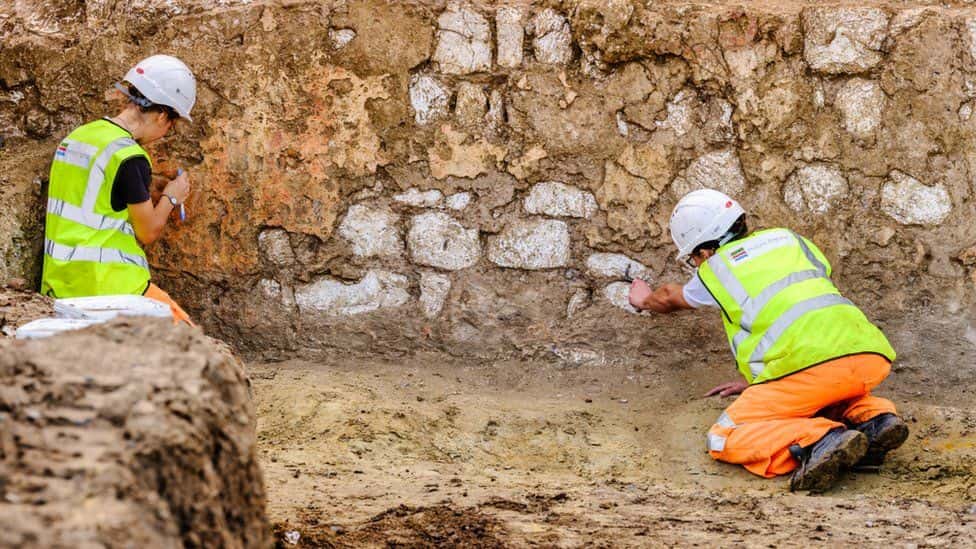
[
  {"x": 46, "y": 327},
  {"x": 106, "y": 307}
]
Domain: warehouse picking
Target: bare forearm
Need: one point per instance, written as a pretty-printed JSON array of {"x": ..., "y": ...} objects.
[
  {"x": 148, "y": 219},
  {"x": 665, "y": 299},
  {"x": 152, "y": 230}
]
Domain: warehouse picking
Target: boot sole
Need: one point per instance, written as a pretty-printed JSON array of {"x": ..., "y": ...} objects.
[
  {"x": 890, "y": 438},
  {"x": 821, "y": 475}
]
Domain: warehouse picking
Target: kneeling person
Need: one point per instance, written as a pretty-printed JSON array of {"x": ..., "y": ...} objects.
[
  {"x": 99, "y": 210},
  {"x": 809, "y": 356}
]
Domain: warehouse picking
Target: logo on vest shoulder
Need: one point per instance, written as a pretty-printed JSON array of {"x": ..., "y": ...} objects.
[
  {"x": 738, "y": 255},
  {"x": 75, "y": 153}
]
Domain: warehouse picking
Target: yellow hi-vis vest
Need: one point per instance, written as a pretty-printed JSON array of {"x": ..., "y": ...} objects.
[
  {"x": 89, "y": 249},
  {"x": 781, "y": 312}
]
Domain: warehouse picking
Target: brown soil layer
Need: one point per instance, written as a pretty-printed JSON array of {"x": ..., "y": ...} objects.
[
  {"x": 135, "y": 433},
  {"x": 433, "y": 452},
  {"x": 18, "y": 307}
]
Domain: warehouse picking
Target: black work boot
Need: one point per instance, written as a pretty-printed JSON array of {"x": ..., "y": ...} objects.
[
  {"x": 822, "y": 463},
  {"x": 885, "y": 432}
]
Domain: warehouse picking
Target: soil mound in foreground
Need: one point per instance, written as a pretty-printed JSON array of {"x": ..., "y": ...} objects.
[{"x": 135, "y": 433}]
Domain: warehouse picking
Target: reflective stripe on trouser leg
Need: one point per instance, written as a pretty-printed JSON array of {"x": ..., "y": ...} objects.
[
  {"x": 718, "y": 435},
  {"x": 716, "y": 443}
]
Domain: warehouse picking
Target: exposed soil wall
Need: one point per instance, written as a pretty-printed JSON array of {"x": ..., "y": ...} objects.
[
  {"x": 131, "y": 434},
  {"x": 475, "y": 177}
]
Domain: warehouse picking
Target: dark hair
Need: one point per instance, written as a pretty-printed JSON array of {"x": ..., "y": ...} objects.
[
  {"x": 145, "y": 105},
  {"x": 738, "y": 230}
]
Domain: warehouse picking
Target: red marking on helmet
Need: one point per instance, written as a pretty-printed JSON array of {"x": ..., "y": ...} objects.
[
  {"x": 728, "y": 204},
  {"x": 139, "y": 70}
]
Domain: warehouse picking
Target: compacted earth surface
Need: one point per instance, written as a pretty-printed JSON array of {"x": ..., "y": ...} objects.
[{"x": 431, "y": 450}]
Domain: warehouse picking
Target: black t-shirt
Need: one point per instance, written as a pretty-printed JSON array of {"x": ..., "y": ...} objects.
[{"x": 132, "y": 180}]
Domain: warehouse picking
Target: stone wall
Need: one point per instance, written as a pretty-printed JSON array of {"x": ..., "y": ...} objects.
[{"x": 478, "y": 176}]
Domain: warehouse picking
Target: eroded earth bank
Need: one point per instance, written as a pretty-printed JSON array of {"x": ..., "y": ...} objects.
[{"x": 413, "y": 219}]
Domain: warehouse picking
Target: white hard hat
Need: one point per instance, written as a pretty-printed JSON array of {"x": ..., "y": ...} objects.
[
  {"x": 165, "y": 80},
  {"x": 702, "y": 216}
]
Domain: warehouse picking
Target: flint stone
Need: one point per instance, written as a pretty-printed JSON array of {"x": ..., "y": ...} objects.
[
  {"x": 532, "y": 244},
  {"x": 553, "y": 42},
  {"x": 580, "y": 356},
  {"x": 274, "y": 292},
  {"x": 372, "y": 232},
  {"x": 434, "y": 288},
  {"x": 428, "y": 98},
  {"x": 463, "y": 42},
  {"x": 843, "y": 40},
  {"x": 458, "y": 201},
  {"x": 420, "y": 199},
  {"x": 618, "y": 294},
  {"x": 816, "y": 187},
  {"x": 616, "y": 266},
  {"x": 971, "y": 32},
  {"x": 861, "y": 103},
  {"x": 341, "y": 37},
  {"x": 438, "y": 240},
  {"x": 511, "y": 35},
  {"x": 910, "y": 202},
  {"x": 276, "y": 247},
  {"x": 680, "y": 113},
  {"x": 560, "y": 200},
  {"x": 378, "y": 289},
  {"x": 580, "y": 300},
  {"x": 718, "y": 170}
]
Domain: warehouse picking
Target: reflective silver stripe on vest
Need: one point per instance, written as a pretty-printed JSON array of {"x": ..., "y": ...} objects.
[
  {"x": 716, "y": 443},
  {"x": 786, "y": 320},
  {"x": 98, "y": 255},
  {"x": 810, "y": 255},
  {"x": 725, "y": 421},
  {"x": 727, "y": 279},
  {"x": 737, "y": 340},
  {"x": 88, "y": 219},
  {"x": 96, "y": 175},
  {"x": 751, "y": 307}
]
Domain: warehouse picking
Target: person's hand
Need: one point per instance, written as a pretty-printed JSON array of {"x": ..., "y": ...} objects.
[
  {"x": 639, "y": 292},
  {"x": 728, "y": 389},
  {"x": 178, "y": 188}
]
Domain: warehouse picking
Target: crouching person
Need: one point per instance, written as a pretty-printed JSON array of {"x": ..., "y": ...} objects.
[
  {"x": 809, "y": 356},
  {"x": 99, "y": 211}
]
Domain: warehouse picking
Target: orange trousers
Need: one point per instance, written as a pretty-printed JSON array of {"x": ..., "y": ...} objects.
[
  {"x": 758, "y": 429},
  {"x": 179, "y": 315}
]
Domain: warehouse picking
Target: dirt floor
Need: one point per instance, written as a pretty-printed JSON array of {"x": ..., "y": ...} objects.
[{"x": 429, "y": 451}]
